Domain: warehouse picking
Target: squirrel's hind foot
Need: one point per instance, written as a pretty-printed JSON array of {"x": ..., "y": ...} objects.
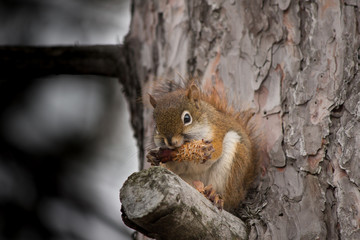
[{"x": 210, "y": 193}]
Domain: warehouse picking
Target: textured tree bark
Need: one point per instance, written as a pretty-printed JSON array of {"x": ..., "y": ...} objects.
[
  {"x": 161, "y": 204},
  {"x": 296, "y": 63}
]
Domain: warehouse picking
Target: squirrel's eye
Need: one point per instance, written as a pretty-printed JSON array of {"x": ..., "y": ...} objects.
[{"x": 186, "y": 118}]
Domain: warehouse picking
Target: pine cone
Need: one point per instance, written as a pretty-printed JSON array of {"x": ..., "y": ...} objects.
[{"x": 198, "y": 151}]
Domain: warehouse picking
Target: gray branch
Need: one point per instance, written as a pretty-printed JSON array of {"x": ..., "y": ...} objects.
[
  {"x": 22, "y": 63},
  {"x": 161, "y": 205},
  {"x": 104, "y": 60}
]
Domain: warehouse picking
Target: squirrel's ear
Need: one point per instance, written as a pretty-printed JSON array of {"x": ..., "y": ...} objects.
[
  {"x": 152, "y": 101},
  {"x": 193, "y": 93}
]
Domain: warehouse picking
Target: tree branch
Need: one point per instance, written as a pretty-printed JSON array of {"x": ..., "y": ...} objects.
[
  {"x": 105, "y": 60},
  {"x": 161, "y": 205},
  {"x": 120, "y": 61}
]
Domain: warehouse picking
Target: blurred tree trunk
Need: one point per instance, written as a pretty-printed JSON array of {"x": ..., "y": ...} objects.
[{"x": 296, "y": 63}]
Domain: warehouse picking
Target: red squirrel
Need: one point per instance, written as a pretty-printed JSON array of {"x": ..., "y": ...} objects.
[{"x": 200, "y": 138}]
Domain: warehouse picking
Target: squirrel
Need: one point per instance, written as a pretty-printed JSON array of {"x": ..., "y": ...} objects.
[{"x": 230, "y": 162}]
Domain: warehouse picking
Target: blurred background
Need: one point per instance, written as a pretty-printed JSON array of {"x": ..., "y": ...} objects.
[{"x": 66, "y": 145}]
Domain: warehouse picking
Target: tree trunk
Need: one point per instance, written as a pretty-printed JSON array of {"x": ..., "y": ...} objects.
[{"x": 296, "y": 63}]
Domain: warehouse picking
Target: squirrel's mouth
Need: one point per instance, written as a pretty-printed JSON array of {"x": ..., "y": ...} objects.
[{"x": 168, "y": 147}]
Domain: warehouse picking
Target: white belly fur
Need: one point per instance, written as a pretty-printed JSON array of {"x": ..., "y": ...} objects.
[{"x": 213, "y": 172}]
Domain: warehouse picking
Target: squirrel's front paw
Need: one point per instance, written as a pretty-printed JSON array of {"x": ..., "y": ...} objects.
[
  {"x": 207, "y": 149},
  {"x": 210, "y": 194},
  {"x": 152, "y": 157},
  {"x": 159, "y": 155}
]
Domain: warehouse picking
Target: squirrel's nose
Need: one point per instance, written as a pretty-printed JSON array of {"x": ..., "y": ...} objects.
[
  {"x": 177, "y": 141},
  {"x": 172, "y": 142}
]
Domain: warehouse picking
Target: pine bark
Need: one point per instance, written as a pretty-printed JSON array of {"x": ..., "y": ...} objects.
[{"x": 296, "y": 63}]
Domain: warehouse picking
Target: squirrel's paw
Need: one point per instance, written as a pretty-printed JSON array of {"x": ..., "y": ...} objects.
[
  {"x": 210, "y": 194},
  {"x": 207, "y": 149},
  {"x": 159, "y": 155},
  {"x": 152, "y": 157}
]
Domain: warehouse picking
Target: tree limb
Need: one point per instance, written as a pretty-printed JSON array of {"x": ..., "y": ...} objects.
[
  {"x": 105, "y": 60},
  {"x": 25, "y": 62},
  {"x": 161, "y": 205}
]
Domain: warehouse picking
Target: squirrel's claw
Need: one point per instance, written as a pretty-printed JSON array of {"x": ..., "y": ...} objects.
[
  {"x": 207, "y": 150},
  {"x": 159, "y": 155},
  {"x": 210, "y": 193}
]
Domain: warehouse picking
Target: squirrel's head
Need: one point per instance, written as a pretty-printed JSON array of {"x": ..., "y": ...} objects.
[{"x": 177, "y": 116}]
